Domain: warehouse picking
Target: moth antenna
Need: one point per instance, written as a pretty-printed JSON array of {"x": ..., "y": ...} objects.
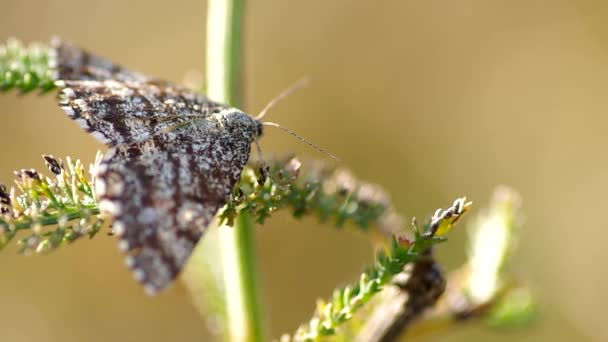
[
  {"x": 316, "y": 147},
  {"x": 292, "y": 88}
]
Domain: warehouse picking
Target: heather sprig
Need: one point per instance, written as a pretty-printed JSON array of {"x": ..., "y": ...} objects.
[
  {"x": 64, "y": 200},
  {"x": 329, "y": 193},
  {"x": 26, "y": 68},
  {"x": 346, "y": 301}
]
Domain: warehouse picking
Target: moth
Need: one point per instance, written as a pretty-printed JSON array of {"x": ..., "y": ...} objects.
[{"x": 174, "y": 158}]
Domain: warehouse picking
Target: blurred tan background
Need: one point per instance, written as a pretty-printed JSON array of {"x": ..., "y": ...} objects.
[{"x": 431, "y": 99}]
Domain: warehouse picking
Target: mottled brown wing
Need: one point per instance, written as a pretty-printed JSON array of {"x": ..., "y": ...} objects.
[
  {"x": 74, "y": 63},
  {"x": 173, "y": 164},
  {"x": 119, "y": 106},
  {"x": 162, "y": 194},
  {"x": 117, "y": 112}
]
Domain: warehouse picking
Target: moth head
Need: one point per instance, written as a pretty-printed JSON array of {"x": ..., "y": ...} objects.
[{"x": 237, "y": 120}]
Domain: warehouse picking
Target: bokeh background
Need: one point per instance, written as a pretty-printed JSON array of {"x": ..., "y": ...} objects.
[{"x": 431, "y": 99}]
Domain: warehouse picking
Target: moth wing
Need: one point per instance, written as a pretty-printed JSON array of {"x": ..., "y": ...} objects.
[
  {"x": 118, "y": 113},
  {"x": 163, "y": 193},
  {"x": 118, "y": 106},
  {"x": 74, "y": 63}
]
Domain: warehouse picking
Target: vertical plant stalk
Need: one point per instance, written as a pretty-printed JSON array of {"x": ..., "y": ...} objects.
[
  {"x": 224, "y": 51},
  {"x": 237, "y": 245},
  {"x": 244, "y": 314}
]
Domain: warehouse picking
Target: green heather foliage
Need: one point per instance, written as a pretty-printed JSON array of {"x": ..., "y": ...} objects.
[
  {"x": 26, "y": 68},
  {"x": 45, "y": 212},
  {"x": 64, "y": 201}
]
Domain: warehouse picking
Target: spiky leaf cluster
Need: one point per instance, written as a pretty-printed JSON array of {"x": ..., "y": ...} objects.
[
  {"x": 26, "y": 68},
  {"x": 331, "y": 194},
  {"x": 64, "y": 200},
  {"x": 346, "y": 301}
]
